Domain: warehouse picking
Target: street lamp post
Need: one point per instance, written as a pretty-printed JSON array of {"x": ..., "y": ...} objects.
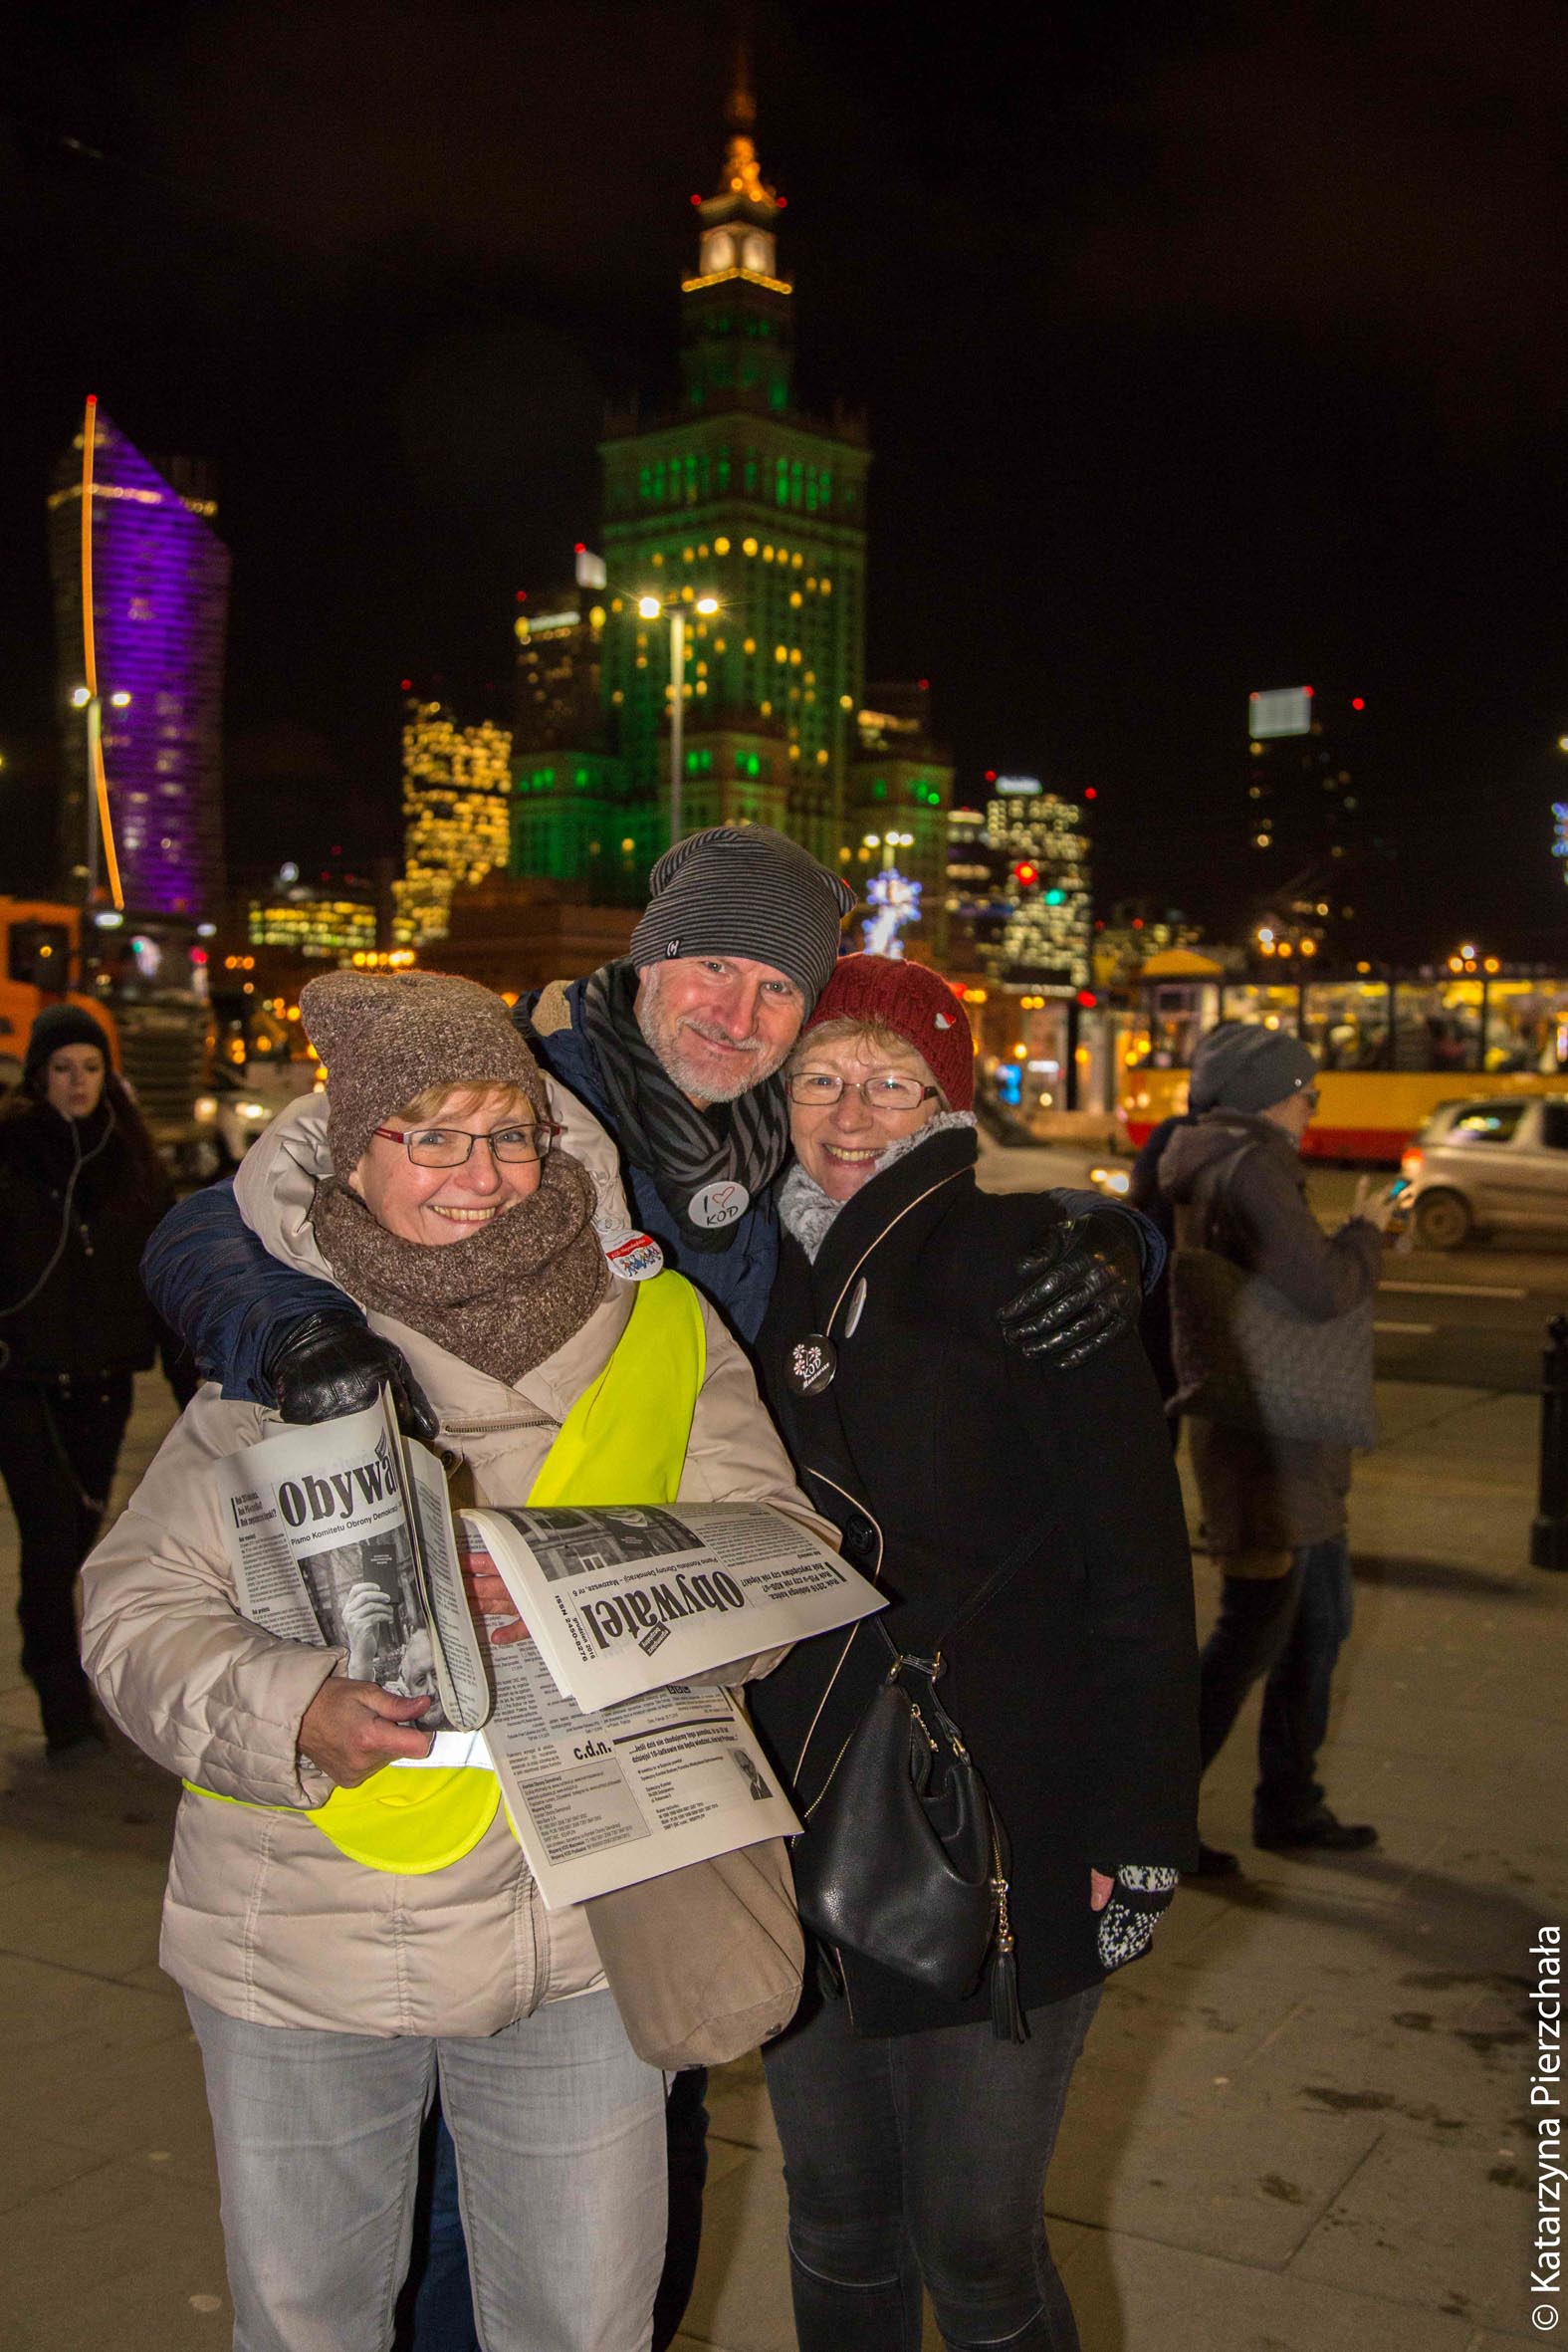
[
  {"x": 651, "y": 608},
  {"x": 677, "y": 718},
  {"x": 96, "y": 796}
]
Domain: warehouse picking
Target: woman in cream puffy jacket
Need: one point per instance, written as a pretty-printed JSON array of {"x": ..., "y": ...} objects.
[{"x": 327, "y": 1995}]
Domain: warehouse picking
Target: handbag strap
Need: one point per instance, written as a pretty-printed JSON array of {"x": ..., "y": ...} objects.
[
  {"x": 978, "y": 1600},
  {"x": 1218, "y": 1204}
]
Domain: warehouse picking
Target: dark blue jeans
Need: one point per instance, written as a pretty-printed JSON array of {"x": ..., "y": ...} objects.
[
  {"x": 919, "y": 2159},
  {"x": 1290, "y": 1630},
  {"x": 442, "y": 2318}
]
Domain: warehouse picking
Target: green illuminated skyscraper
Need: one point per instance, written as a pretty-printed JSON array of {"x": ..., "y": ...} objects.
[{"x": 738, "y": 496}]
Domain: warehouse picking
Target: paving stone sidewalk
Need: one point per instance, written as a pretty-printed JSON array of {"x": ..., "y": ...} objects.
[{"x": 1301, "y": 2126}]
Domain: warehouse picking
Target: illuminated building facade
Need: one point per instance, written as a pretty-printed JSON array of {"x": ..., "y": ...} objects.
[
  {"x": 900, "y": 785},
  {"x": 327, "y": 923},
  {"x": 161, "y": 594},
  {"x": 456, "y": 790},
  {"x": 1306, "y": 833},
  {"x": 738, "y": 496},
  {"x": 976, "y": 900},
  {"x": 1048, "y": 930},
  {"x": 558, "y": 668}
]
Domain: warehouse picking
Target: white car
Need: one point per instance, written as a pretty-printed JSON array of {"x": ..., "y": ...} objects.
[
  {"x": 1489, "y": 1164},
  {"x": 237, "y": 1108}
]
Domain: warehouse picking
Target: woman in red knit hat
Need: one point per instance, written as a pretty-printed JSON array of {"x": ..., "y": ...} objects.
[{"x": 917, "y": 2129}]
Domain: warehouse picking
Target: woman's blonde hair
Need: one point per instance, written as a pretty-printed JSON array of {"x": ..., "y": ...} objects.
[
  {"x": 844, "y": 1028},
  {"x": 466, "y": 1096}
]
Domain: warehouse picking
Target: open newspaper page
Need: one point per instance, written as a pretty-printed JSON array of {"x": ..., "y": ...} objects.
[
  {"x": 605, "y": 1800},
  {"x": 340, "y": 1537},
  {"x": 625, "y": 1599}
]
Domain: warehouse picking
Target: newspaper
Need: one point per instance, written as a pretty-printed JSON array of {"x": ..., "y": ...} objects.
[
  {"x": 340, "y": 1537},
  {"x": 605, "y": 1801},
  {"x": 623, "y": 1599}
]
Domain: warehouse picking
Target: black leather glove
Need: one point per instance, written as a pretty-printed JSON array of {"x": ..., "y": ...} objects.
[
  {"x": 1128, "y": 1921},
  {"x": 1083, "y": 1288},
  {"x": 330, "y": 1365}
]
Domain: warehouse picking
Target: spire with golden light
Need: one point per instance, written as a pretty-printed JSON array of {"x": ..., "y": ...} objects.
[{"x": 738, "y": 219}]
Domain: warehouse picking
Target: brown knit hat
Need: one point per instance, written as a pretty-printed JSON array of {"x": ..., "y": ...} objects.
[
  {"x": 916, "y": 1004},
  {"x": 384, "y": 1037}
]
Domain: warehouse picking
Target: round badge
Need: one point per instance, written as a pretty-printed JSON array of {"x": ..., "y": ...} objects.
[
  {"x": 718, "y": 1205},
  {"x": 813, "y": 1361},
  {"x": 634, "y": 1256},
  {"x": 857, "y": 1308}
]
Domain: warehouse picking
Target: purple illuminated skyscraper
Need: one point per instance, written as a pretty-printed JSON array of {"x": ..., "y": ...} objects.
[{"x": 160, "y": 596}]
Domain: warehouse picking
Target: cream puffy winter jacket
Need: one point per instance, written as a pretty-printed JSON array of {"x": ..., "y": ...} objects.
[{"x": 263, "y": 1917}]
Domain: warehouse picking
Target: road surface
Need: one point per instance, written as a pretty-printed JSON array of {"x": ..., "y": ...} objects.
[{"x": 1473, "y": 1317}]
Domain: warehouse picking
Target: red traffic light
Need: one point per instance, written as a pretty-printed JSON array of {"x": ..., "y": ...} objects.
[
  {"x": 1025, "y": 874},
  {"x": 1087, "y": 999}
]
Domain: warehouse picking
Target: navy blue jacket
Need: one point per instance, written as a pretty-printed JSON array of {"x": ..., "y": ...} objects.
[{"x": 226, "y": 1294}]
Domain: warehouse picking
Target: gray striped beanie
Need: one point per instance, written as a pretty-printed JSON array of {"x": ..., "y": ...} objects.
[{"x": 745, "y": 890}]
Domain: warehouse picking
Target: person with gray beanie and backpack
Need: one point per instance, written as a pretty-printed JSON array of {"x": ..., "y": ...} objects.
[
  {"x": 679, "y": 1050},
  {"x": 1275, "y": 1505}
]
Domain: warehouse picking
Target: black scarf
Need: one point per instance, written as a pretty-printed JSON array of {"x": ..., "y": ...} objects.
[{"x": 682, "y": 1148}]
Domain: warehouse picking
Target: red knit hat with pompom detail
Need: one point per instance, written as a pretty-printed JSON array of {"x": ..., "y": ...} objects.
[{"x": 916, "y": 1005}]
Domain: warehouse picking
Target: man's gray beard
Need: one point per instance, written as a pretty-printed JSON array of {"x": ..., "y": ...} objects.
[{"x": 693, "y": 1082}]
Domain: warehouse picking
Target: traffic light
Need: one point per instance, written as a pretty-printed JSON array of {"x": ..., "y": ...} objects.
[{"x": 1024, "y": 875}]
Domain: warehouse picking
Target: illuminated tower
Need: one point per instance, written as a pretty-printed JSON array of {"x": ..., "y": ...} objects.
[
  {"x": 1048, "y": 932},
  {"x": 456, "y": 795},
  {"x": 740, "y": 496},
  {"x": 161, "y": 594}
]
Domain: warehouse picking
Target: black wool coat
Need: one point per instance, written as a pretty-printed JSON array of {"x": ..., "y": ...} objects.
[
  {"x": 90, "y": 1316},
  {"x": 937, "y": 1449}
]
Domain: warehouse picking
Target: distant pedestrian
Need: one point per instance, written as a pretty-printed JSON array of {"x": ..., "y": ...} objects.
[
  {"x": 1274, "y": 1506},
  {"x": 81, "y": 1189}
]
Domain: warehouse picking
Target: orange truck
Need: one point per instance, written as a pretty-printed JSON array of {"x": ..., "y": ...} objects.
[{"x": 139, "y": 981}]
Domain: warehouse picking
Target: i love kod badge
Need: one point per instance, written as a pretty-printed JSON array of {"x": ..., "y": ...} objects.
[
  {"x": 718, "y": 1205},
  {"x": 631, "y": 1255}
]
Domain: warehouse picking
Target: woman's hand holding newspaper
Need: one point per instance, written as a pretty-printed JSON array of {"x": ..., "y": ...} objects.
[
  {"x": 489, "y": 1598},
  {"x": 352, "y": 1728}
]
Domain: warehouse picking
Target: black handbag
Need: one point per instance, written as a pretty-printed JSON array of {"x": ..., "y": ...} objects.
[{"x": 904, "y": 1858}]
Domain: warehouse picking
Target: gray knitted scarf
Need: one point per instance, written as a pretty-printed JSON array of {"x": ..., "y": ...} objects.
[
  {"x": 807, "y": 1211},
  {"x": 502, "y": 1301}
]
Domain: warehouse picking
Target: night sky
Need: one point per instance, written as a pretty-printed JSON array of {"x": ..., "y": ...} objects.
[{"x": 1204, "y": 348}]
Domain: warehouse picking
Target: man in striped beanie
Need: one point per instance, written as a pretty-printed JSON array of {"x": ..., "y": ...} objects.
[{"x": 678, "y": 1049}]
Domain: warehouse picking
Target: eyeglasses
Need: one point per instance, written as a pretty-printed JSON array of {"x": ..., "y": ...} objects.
[
  {"x": 451, "y": 1147},
  {"x": 888, "y": 1091}
]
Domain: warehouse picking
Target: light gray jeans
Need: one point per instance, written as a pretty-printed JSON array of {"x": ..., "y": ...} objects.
[{"x": 560, "y": 2133}]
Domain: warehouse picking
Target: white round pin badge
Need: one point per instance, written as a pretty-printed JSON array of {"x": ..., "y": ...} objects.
[
  {"x": 718, "y": 1205},
  {"x": 634, "y": 1256}
]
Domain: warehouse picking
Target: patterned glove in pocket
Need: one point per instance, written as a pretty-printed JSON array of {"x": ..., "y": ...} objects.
[{"x": 1127, "y": 1923}]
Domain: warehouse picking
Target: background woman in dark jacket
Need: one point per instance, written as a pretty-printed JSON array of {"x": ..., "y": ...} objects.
[
  {"x": 916, "y": 2142},
  {"x": 81, "y": 1189},
  {"x": 1274, "y": 1508}
]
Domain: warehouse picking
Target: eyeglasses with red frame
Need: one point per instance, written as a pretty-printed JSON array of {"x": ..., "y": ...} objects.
[{"x": 452, "y": 1147}]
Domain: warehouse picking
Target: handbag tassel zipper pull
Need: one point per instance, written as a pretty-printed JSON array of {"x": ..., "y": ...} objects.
[{"x": 1008, "y": 2022}]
